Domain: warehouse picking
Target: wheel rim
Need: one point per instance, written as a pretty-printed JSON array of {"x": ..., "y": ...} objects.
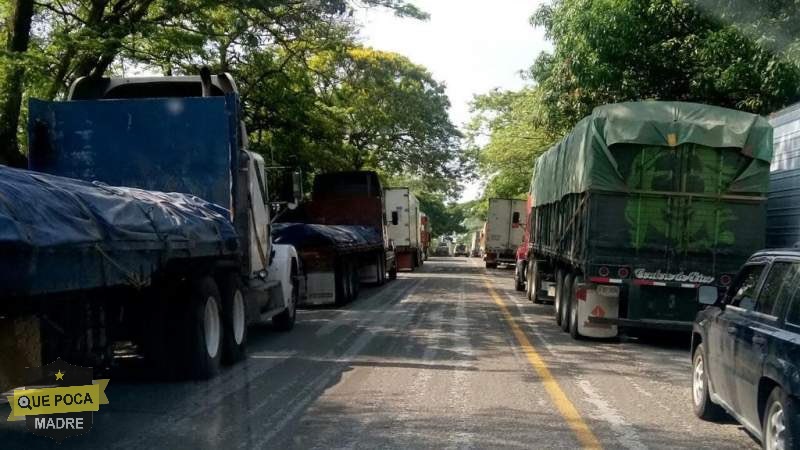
[
  {"x": 238, "y": 317},
  {"x": 698, "y": 382},
  {"x": 775, "y": 437},
  {"x": 211, "y": 327}
]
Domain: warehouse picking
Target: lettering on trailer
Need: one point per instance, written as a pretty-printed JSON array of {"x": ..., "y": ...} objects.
[{"x": 692, "y": 277}]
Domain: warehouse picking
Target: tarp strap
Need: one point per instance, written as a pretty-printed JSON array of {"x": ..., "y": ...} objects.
[
  {"x": 138, "y": 284},
  {"x": 577, "y": 212}
]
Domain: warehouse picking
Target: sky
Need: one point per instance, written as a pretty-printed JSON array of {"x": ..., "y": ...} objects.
[{"x": 471, "y": 46}]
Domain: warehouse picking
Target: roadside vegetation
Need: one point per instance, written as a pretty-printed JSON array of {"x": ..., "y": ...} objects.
[{"x": 734, "y": 53}]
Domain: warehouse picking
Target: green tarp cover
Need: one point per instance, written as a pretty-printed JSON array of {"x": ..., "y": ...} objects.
[{"x": 585, "y": 159}]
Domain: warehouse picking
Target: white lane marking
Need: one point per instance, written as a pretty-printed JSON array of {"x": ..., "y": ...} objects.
[
  {"x": 349, "y": 316},
  {"x": 461, "y": 436},
  {"x": 289, "y": 412},
  {"x": 624, "y": 432}
]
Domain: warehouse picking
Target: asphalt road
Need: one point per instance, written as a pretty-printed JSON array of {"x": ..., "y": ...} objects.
[{"x": 449, "y": 356}]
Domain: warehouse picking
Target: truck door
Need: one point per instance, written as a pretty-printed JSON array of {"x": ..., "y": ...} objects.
[
  {"x": 516, "y": 233},
  {"x": 498, "y": 225}
]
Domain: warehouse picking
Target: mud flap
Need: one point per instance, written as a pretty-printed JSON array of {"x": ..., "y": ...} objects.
[{"x": 602, "y": 301}]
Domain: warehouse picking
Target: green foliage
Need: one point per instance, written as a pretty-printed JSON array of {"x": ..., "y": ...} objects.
[
  {"x": 445, "y": 218},
  {"x": 608, "y": 51},
  {"x": 506, "y": 136},
  {"x": 313, "y": 98}
]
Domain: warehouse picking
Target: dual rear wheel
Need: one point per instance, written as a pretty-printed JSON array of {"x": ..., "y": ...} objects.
[{"x": 567, "y": 312}]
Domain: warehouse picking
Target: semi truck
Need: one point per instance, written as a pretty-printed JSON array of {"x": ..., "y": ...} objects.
[
  {"x": 340, "y": 236},
  {"x": 475, "y": 245},
  {"x": 644, "y": 211},
  {"x": 403, "y": 224},
  {"x": 144, "y": 221},
  {"x": 545, "y": 287},
  {"x": 783, "y": 203},
  {"x": 504, "y": 231},
  {"x": 425, "y": 235}
]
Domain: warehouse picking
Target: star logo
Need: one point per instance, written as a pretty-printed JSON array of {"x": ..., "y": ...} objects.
[{"x": 59, "y": 375}]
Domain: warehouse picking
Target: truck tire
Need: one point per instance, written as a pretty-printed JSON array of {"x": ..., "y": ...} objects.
[
  {"x": 528, "y": 284},
  {"x": 381, "y": 268},
  {"x": 574, "y": 308},
  {"x": 566, "y": 297},
  {"x": 535, "y": 281},
  {"x": 202, "y": 330},
  {"x": 234, "y": 318},
  {"x": 341, "y": 287},
  {"x": 702, "y": 405},
  {"x": 519, "y": 283},
  {"x": 491, "y": 265},
  {"x": 355, "y": 276},
  {"x": 559, "y": 304},
  {"x": 286, "y": 319}
]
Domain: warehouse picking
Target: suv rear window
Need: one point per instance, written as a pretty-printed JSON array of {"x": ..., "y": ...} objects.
[{"x": 779, "y": 287}]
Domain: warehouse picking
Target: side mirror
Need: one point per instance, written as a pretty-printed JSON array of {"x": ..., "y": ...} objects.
[{"x": 709, "y": 295}]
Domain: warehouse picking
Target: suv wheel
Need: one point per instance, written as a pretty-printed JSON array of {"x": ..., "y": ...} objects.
[
  {"x": 704, "y": 408},
  {"x": 781, "y": 429}
]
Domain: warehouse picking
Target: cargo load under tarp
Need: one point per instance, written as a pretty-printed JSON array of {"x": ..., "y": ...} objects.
[
  {"x": 343, "y": 238},
  {"x": 60, "y": 234},
  {"x": 584, "y": 160}
]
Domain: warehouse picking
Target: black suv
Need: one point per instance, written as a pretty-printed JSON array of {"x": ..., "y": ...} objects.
[{"x": 746, "y": 350}]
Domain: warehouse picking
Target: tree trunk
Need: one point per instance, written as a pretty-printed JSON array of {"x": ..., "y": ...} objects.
[{"x": 18, "y": 39}]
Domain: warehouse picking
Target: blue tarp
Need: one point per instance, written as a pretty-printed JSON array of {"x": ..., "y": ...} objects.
[
  {"x": 61, "y": 234},
  {"x": 342, "y": 237}
]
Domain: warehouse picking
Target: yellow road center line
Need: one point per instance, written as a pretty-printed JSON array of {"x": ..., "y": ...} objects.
[{"x": 558, "y": 397}]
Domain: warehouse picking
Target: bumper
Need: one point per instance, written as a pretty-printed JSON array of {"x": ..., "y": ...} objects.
[{"x": 671, "y": 325}]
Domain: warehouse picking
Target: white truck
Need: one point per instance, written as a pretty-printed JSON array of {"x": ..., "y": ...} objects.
[
  {"x": 504, "y": 231},
  {"x": 179, "y": 277},
  {"x": 403, "y": 227}
]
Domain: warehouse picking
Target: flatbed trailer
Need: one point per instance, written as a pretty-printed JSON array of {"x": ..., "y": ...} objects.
[
  {"x": 150, "y": 226},
  {"x": 644, "y": 209},
  {"x": 340, "y": 236}
]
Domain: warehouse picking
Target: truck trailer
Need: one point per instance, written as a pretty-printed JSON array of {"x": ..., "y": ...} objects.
[
  {"x": 340, "y": 236},
  {"x": 475, "y": 245},
  {"x": 143, "y": 220},
  {"x": 783, "y": 204},
  {"x": 504, "y": 231},
  {"x": 644, "y": 209},
  {"x": 403, "y": 225},
  {"x": 425, "y": 235}
]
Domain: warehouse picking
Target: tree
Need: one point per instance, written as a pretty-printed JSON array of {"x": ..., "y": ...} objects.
[
  {"x": 445, "y": 218},
  {"x": 609, "y": 51},
  {"x": 393, "y": 114},
  {"x": 74, "y": 38},
  {"x": 506, "y": 134},
  {"x": 13, "y": 79}
]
